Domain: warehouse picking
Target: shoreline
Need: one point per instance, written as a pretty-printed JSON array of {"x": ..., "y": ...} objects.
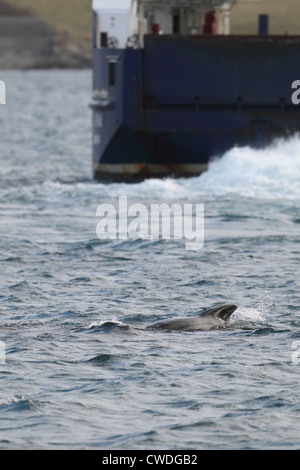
[{"x": 27, "y": 42}]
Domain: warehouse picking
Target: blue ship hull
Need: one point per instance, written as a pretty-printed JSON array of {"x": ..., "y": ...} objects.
[{"x": 169, "y": 108}]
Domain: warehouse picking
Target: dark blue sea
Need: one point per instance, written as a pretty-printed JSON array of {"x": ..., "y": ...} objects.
[{"x": 78, "y": 370}]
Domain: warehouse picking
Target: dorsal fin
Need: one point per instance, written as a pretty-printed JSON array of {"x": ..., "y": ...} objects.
[{"x": 222, "y": 312}]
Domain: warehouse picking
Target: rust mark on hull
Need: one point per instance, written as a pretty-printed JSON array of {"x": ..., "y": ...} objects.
[{"x": 141, "y": 171}]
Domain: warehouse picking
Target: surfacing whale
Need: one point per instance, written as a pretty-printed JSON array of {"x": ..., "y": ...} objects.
[{"x": 212, "y": 318}]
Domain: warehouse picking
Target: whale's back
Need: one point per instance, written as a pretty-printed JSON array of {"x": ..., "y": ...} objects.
[{"x": 212, "y": 318}]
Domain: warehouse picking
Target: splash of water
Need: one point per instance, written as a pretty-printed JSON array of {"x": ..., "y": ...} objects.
[
  {"x": 272, "y": 173},
  {"x": 247, "y": 315}
]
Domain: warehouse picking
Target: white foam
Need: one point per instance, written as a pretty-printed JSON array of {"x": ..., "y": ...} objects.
[
  {"x": 249, "y": 315},
  {"x": 270, "y": 173},
  {"x": 100, "y": 323}
]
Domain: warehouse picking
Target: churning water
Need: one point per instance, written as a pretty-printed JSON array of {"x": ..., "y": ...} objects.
[{"x": 77, "y": 369}]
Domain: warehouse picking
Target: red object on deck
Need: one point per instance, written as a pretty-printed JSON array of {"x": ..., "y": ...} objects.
[
  {"x": 210, "y": 23},
  {"x": 155, "y": 28}
]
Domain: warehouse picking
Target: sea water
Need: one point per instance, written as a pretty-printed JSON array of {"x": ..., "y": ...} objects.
[{"x": 77, "y": 368}]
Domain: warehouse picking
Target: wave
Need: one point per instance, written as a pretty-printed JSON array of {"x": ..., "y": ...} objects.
[
  {"x": 105, "y": 327},
  {"x": 21, "y": 403},
  {"x": 269, "y": 173}
]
